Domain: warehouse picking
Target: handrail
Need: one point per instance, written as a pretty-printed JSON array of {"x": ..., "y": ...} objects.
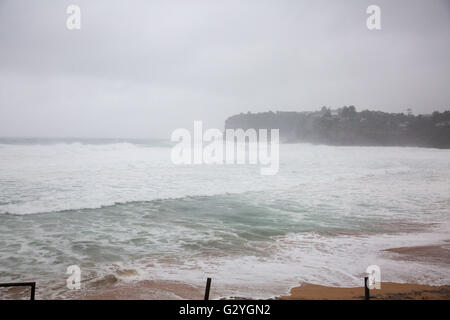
[{"x": 22, "y": 284}]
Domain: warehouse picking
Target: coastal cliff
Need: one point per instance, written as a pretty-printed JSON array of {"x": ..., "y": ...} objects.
[{"x": 346, "y": 126}]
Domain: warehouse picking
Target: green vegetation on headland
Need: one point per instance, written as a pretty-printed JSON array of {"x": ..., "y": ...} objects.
[{"x": 346, "y": 126}]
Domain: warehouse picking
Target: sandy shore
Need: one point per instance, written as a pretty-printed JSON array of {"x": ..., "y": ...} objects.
[{"x": 388, "y": 291}]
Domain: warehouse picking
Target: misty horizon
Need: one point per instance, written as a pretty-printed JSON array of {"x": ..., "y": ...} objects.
[
  {"x": 167, "y": 138},
  {"x": 145, "y": 69}
]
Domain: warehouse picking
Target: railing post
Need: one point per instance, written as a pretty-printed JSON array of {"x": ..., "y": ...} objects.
[
  {"x": 208, "y": 286},
  {"x": 366, "y": 288},
  {"x": 33, "y": 289}
]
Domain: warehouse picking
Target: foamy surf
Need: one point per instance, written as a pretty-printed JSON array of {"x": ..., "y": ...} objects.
[{"x": 127, "y": 216}]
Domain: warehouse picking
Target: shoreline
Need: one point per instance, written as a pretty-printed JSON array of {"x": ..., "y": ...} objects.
[
  {"x": 436, "y": 253},
  {"x": 110, "y": 287}
]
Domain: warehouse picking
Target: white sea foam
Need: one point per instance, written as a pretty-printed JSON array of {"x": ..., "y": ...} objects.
[
  {"x": 55, "y": 177},
  {"x": 323, "y": 218}
]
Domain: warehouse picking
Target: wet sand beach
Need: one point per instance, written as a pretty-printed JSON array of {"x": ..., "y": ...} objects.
[{"x": 388, "y": 291}]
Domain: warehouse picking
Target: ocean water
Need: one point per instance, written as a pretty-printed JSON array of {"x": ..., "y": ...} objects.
[{"x": 122, "y": 209}]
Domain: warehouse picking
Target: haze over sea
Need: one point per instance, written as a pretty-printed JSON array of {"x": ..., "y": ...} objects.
[{"x": 121, "y": 210}]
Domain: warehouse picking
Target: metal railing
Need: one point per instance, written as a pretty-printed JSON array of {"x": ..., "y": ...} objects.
[
  {"x": 207, "y": 288},
  {"x": 22, "y": 284}
]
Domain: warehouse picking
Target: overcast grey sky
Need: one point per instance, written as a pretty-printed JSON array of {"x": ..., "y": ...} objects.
[{"x": 143, "y": 68}]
